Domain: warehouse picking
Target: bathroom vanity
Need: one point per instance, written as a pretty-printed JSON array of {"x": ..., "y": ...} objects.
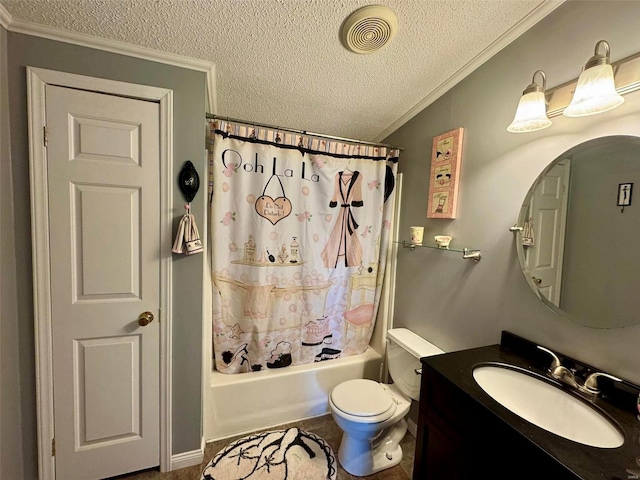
[{"x": 464, "y": 433}]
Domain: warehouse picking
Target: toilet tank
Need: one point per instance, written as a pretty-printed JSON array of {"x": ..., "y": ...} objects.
[{"x": 404, "y": 350}]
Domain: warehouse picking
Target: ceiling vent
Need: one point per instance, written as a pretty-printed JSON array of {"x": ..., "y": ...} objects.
[{"x": 368, "y": 29}]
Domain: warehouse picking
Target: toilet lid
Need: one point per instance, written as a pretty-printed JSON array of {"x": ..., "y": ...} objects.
[{"x": 361, "y": 398}]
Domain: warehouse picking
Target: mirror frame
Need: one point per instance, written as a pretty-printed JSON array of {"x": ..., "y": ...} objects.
[{"x": 524, "y": 213}]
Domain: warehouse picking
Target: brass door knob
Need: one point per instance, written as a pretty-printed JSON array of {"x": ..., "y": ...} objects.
[
  {"x": 538, "y": 281},
  {"x": 145, "y": 318}
]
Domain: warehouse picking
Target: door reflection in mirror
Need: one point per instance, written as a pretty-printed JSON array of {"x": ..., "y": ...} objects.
[{"x": 581, "y": 249}]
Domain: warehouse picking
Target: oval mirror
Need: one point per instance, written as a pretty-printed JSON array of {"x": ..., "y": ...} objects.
[{"x": 581, "y": 232}]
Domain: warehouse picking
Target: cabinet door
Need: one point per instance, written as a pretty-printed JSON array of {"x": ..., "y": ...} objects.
[{"x": 440, "y": 452}]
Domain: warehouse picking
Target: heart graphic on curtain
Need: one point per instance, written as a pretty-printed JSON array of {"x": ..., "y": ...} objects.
[{"x": 273, "y": 210}]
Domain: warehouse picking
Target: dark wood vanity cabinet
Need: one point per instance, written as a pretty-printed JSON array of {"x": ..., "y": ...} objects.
[{"x": 458, "y": 438}]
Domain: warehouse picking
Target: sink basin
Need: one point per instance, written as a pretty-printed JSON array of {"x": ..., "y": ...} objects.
[{"x": 547, "y": 406}]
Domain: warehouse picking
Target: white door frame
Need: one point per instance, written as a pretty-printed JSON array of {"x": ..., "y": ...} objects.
[{"x": 37, "y": 78}]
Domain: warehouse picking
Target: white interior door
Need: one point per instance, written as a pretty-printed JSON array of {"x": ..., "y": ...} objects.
[
  {"x": 104, "y": 200},
  {"x": 548, "y": 209}
]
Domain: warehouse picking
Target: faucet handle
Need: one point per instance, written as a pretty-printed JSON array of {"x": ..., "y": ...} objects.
[
  {"x": 591, "y": 383},
  {"x": 555, "y": 362}
]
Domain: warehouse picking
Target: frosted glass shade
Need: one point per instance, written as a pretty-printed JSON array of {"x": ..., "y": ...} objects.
[
  {"x": 531, "y": 114},
  {"x": 595, "y": 93}
]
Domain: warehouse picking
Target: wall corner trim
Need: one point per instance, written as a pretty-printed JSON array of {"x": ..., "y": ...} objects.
[
  {"x": 5, "y": 17},
  {"x": 544, "y": 9},
  {"x": 114, "y": 46},
  {"x": 188, "y": 459}
]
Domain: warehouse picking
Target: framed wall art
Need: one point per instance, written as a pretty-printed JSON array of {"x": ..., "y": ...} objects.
[
  {"x": 446, "y": 156},
  {"x": 624, "y": 194}
]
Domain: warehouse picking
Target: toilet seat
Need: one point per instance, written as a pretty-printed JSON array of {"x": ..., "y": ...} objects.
[{"x": 363, "y": 401}]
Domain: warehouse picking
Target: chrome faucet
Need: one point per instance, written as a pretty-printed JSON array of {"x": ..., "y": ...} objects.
[
  {"x": 566, "y": 376},
  {"x": 559, "y": 371},
  {"x": 591, "y": 383}
]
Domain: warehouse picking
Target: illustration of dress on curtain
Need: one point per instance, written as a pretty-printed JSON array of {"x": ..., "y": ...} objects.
[
  {"x": 343, "y": 241},
  {"x": 300, "y": 227}
]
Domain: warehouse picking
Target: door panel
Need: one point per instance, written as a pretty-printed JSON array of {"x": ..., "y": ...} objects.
[
  {"x": 103, "y": 174},
  {"x": 106, "y": 218},
  {"x": 547, "y": 232},
  {"x": 107, "y": 405},
  {"x": 104, "y": 140}
]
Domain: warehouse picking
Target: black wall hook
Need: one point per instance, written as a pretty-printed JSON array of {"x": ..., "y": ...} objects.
[{"x": 189, "y": 181}]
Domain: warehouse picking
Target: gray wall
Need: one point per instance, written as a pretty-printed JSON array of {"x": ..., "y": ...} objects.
[
  {"x": 11, "y": 420},
  {"x": 17, "y": 314},
  {"x": 600, "y": 280},
  {"x": 459, "y": 304}
]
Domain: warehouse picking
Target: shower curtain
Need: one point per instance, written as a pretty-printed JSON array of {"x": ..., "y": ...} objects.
[{"x": 299, "y": 230}]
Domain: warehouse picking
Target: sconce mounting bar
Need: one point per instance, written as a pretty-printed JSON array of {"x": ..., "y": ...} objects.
[{"x": 627, "y": 77}]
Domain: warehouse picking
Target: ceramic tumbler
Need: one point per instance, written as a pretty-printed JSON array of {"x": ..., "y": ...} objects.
[{"x": 416, "y": 235}]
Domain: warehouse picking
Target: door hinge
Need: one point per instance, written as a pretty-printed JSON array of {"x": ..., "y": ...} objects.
[
  {"x": 46, "y": 136},
  {"x": 53, "y": 447}
]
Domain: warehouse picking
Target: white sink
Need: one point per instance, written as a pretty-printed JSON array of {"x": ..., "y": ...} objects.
[{"x": 547, "y": 406}]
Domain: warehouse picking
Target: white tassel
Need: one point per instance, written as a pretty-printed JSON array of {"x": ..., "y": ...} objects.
[
  {"x": 178, "y": 244},
  {"x": 188, "y": 238}
]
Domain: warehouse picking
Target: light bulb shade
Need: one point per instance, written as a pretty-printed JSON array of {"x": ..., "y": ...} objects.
[
  {"x": 531, "y": 114},
  {"x": 595, "y": 92}
]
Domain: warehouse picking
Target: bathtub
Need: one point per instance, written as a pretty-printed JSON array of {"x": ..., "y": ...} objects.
[{"x": 242, "y": 403}]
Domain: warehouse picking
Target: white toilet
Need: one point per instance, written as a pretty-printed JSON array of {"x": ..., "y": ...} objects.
[{"x": 371, "y": 414}]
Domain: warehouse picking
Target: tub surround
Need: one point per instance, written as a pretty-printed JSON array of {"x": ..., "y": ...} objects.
[
  {"x": 246, "y": 402},
  {"x": 463, "y": 432}
]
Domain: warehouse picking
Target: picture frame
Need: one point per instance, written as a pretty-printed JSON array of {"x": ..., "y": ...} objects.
[
  {"x": 624, "y": 194},
  {"x": 444, "y": 179}
]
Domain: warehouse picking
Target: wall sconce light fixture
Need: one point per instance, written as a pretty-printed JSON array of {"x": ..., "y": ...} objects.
[
  {"x": 586, "y": 95},
  {"x": 596, "y": 90},
  {"x": 531, "y": 114}
]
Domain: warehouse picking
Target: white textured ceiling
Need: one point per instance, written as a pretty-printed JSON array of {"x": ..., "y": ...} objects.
[{"x": 281, "y": 61}]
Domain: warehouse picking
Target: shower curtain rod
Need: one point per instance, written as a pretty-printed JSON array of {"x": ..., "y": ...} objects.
[{"x": 211, "y": 116}]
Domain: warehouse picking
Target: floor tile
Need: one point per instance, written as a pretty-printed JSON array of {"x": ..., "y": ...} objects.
[{"x": 408, "y": 445}]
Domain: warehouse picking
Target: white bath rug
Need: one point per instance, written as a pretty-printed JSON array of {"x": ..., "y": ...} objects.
[{"x": 291, "y": 454}]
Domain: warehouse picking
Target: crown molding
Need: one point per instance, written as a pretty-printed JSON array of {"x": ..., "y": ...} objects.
[
  {"x": 114, "y": 46},
  {"x": 509, "y": 36}
]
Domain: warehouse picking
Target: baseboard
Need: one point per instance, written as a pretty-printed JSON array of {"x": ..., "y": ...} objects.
[
  {"x": 188, "y": 459},
  {"x": 412, "y": 427}
]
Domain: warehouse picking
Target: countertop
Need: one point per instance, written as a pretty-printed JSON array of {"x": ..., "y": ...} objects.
[{"x": 586, "y": 462}]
